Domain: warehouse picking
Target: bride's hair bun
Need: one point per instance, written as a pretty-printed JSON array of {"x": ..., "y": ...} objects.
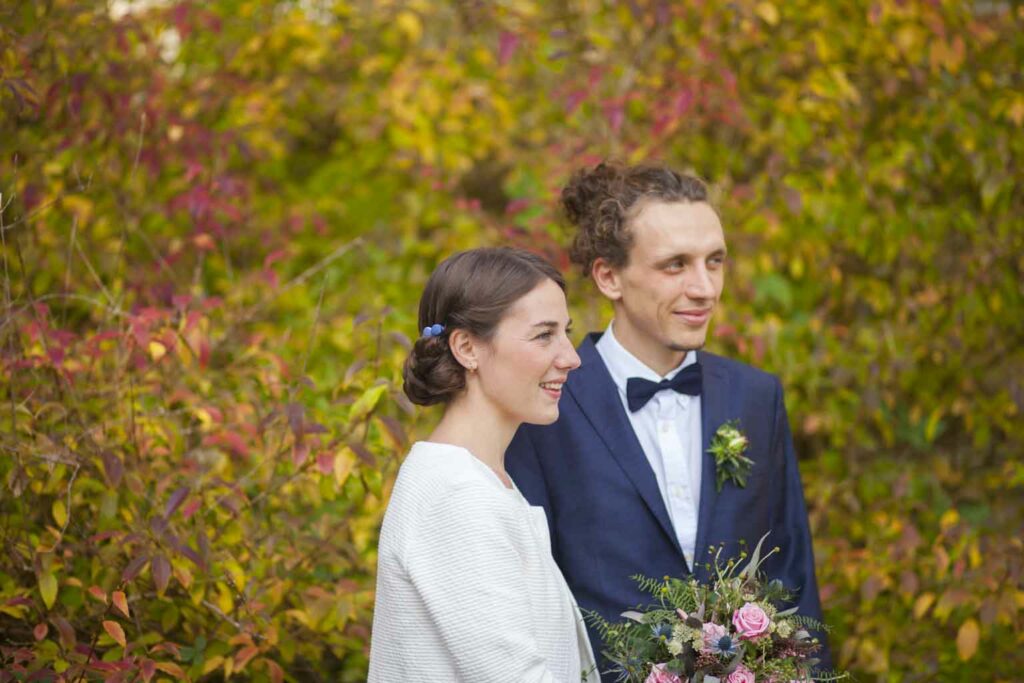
[{"x": 471, "y": 290}]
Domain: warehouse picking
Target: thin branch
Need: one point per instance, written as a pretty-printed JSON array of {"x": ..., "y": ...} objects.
[
  {"x": 138, "y": 147},
  {"x": 88, "y": 264}
]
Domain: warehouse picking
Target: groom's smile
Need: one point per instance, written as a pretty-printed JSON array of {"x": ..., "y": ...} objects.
[{"x": 665, "y": 294}]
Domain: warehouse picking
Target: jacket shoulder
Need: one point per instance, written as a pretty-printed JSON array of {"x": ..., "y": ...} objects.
[{"x": 740, "y": 371}]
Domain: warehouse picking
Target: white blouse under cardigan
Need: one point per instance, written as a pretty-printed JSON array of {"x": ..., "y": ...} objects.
[{"x": 467, "y": 589}]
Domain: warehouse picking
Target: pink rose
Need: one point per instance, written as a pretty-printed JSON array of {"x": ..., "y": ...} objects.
[
  {"x": 713, "y": 633},
  {"x": 660, "y": 675},
  {"x": 741, "y": 675},
  {"x": 750, "y": 621}
]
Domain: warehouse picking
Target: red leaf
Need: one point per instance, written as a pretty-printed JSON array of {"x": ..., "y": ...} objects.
[
  {"x": 363, "y": 452},
  {"x": 507, "y": 44},
  {"x": 192, "y": 555},
  {"x": 325, "y": 462},
  {"x": 148, "y": 669},
  {"x": 190, "y": 508},
  {"x": 175, "y": 501},
  {"x": 67, "y": 632},
  {"x": 394, "y": 428},
  {"x": 161, "y": 569},
  {"x": 40, "y": 631},
  {"x": 113, "y": 468},
  {"x": 134, "y": 567}
]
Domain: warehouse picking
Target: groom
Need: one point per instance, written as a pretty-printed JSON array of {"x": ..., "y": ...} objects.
[{"x": 625, "y": 475}]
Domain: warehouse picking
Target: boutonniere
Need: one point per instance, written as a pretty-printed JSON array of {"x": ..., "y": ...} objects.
[{"x": 728, "y": 447}]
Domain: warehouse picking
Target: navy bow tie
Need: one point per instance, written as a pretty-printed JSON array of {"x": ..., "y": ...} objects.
[{"x": 639, "y": 391}]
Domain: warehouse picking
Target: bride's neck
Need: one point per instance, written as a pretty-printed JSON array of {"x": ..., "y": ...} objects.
[{"x": 478, "y": 427}]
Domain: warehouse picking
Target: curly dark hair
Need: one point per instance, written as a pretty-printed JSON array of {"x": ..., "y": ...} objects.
[
  {"x": 601, "y": 201},
  {"x": 471, "y": 290}
]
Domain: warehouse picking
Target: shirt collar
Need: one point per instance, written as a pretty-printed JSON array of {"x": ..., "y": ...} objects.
[{"x": 622, "y": 364}]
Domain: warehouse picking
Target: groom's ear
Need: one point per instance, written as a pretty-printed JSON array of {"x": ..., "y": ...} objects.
[{"x": 607, "y": 279}]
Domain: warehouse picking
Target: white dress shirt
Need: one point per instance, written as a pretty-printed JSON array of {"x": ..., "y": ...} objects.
[
  {"x": 668, "y": 428},
  {"x": 467, "y": 589}
]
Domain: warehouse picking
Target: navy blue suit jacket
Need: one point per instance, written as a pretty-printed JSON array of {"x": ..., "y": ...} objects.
[{"x": 607, "y": 518}]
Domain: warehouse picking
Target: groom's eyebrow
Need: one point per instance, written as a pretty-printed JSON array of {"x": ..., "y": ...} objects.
[{"x": 688, "y": 257}]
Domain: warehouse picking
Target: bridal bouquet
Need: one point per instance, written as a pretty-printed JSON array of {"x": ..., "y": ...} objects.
[{"x": 729, "y": 631}]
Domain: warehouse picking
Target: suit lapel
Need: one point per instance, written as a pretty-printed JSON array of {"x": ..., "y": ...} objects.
[
  {"x": 597, "y": 396},
  {"x": 714, "y": 412}
]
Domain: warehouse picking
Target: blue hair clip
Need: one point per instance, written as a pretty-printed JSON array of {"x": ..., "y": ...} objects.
[{"x": 434, "y": 330}]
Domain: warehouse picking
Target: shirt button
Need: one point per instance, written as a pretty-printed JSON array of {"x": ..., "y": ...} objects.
[{"x": 664, "y": 427}]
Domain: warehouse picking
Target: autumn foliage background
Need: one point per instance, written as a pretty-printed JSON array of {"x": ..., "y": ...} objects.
[{"x": 217, "y": 218}]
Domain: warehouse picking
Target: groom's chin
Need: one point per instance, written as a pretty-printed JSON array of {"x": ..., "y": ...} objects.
[{"x": 687, "y": 347}]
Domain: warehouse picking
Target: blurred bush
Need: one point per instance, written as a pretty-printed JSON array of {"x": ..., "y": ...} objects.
[{"x": 217, "y": 218}]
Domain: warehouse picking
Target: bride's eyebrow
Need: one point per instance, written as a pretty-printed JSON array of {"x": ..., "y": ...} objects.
[{"x": 551, "y": 324}]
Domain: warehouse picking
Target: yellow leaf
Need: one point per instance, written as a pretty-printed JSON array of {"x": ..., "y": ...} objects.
[
  {"x": 768, "y": 12},
  {"x": 212, "y": 663},
  {"x": 949, "y": 518},
  {"x": 967, "y": 639},
  {"x": 120, "y": 602},
  {"x": 157, "y": 350},
  {"x": 115, "y": 631},
  {"x": 79, "y": 206},
  {"x": 922, "y": 604},
  {"x": 60, "y": 513},
  {"x": 224, "y": 600},
  {"x": 184, "y": 576},
  {"x": 48, "y": 589},
  {"x": 409, "y": 24},
  {"x": 343, "y": 463},
  {"x": 236, "y": 572}
]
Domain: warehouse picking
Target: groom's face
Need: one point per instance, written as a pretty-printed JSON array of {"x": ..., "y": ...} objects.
[{"x": 666, "y": 293}]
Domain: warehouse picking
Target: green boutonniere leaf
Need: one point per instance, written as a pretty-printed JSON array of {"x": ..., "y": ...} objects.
[{"x": 728, "y": 446}]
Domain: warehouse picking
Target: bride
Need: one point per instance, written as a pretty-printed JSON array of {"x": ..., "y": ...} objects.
[{"x": 467, "y": 589}]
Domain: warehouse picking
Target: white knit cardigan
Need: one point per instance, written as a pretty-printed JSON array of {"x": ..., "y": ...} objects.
[{"x": 467, "y": 589}]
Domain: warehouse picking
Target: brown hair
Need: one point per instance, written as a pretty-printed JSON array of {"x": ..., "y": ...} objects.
[
  {"x": 471, "y": 290},
  {"x": 601, "y": 201}
]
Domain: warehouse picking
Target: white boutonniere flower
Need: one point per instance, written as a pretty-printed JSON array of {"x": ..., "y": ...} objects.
[{"x": 728, "y": 446}]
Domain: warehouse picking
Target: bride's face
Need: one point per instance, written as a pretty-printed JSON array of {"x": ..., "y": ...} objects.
[{"x": 524, "y": 365}]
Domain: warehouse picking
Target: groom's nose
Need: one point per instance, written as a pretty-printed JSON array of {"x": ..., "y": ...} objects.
[{"x": 698, "y": 284}]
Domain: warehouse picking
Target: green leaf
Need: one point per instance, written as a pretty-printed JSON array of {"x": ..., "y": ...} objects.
[
  {"x": 48, "y": 588},
  {"x": 366, "y": 402}
]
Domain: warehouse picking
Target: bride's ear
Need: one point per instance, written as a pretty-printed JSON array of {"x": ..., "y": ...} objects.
[{"x": 465, "y": 348}]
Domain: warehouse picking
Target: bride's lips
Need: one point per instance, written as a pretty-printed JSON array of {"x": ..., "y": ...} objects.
[
  {"x": 553, "y": 388},
  {"x": 694, "y": 317}
]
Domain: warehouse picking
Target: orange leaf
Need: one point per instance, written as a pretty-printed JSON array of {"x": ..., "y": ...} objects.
[
  {"x": 173, "y": 669},
  {"x": 40, "y": 631},
  {"x": 98, "y": 593},
  {"x": 275, "y": 671},
  {"x": 243, "y": 656},
  {"x": 120, "y": 602},
  {"x": 116, "y": 632}
]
